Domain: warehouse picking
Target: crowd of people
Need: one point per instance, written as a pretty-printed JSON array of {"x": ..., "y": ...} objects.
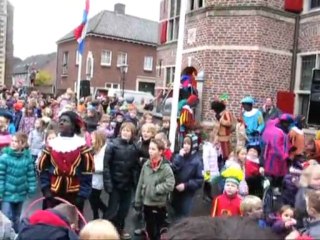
[{"x": 78, "y": 150}]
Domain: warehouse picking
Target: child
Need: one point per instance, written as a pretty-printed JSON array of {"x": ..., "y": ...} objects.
[
  {"x": 251, "y": 206},
  {"x": 241, "y": 134},
  {"x": 187, "y": 168},
  {"x": 17, "y": 178},
  {"x": 283, "y": 222},
  {"x": 252, "y": 171},
  {"x": 27, "y": 121},
  {"x": 36, "y": 138},
  {"x": 155, "y": 183},
  {"x": 99, "y": 230},
  {"x": 59, "y": 222},
  {"x": 105, "y": 125},
  {"x": 120, "y": 164},
  {"x": 167, "y": 153},
  {"x": 148, "y": 132},
  {"x": 228, "y": 203},
  {"x": 99, "y": 147},
  {"x": 165, "y": 128}
]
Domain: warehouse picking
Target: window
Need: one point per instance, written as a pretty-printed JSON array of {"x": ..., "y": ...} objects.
[
  {"x": 314, "y": 4},
  {"x": 89, "y": 66},
  {"x": 148, "y": 63},
  {"x": 308, "y": 63},
  {"x": 65, "y": 63},
  {"x": 122, "y": 59},
  {"x": 173, "y": 22},
  {"x": 195, "y": 4},
  {"x": 112, "y": 85},
  {"x": 77, "y": 57},
  {"x": 170, "y": 75},
  {"x": 106, "y": 57}
]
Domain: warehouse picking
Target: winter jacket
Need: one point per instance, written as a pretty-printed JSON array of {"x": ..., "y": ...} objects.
[
  {"x": 154, "y": 185},
  {"x": 276, "y": 151},
  {"x": 143, "y": 146},
  {"x": 289, "y": 189},
  {"x": 210, "y": 159},
  {"x": 300, "y": 207},
  {"x": 188, "y": 170},
  {"x": 17, "y": 175},
  {"x": 97, "y": 177},
  {"x": 46, "y": 224},
  {"x": 17, "y": 118},
  {"x": 278, "y": 225},
  {"x": 6, "y": 230},
  {"x": 120, "y": 163},
  {"x": 312, "y": 229}
]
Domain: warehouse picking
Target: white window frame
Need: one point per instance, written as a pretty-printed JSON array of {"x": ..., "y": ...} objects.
[
  {"x": 307, "y": 7},
  {"x": 318, "y": 7},
  {"x": 106, "y": 58},
  {"x": 122, "y": 59},
  {"x": 171, "y": 77},
  {"x": 112, "y": 85},
  {"x": 173, "y": 21},
  {"x": 89, "y": 66},
  {"x": 65, "y": 58},
  {"x": 298, "y": 92},
  {"x": 148, "y": 63},
  {"x": 77, "y": 57},
  {"x": 195, "y": 4}
]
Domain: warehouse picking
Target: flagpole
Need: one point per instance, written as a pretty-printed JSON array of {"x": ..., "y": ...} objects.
[
  {"x": 79, "y": 76},
  {"x": 176, "y": 83}
]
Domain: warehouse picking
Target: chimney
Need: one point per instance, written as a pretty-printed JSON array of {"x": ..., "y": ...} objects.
[{"x": 119, "y": 8}]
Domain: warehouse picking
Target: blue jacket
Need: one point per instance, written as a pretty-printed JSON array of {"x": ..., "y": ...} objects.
[
  {"x": 188, "y": 170},
  {"x": 17, "y": 175}
]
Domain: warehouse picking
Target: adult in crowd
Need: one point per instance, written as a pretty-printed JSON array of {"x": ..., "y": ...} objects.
[{"x": 269, "y": 110}]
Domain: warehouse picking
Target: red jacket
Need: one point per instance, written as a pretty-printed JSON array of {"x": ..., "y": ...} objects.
[
  {"x": 226, "y": 205},
  {"x": 167, "y": 153}
]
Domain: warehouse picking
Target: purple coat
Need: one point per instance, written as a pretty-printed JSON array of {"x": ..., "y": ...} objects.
[{"x": 276, "y": 152}]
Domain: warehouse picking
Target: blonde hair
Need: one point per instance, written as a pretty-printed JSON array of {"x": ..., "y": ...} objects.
[
  {"x": 150, "y": 127},
  {"x": 307, "y": 174},
  {"x": 22, "y": 138},
  {"x": 250, "y": 203},
  {"x": 99, "y": 229},
  {"x": 100, "y": 140}
]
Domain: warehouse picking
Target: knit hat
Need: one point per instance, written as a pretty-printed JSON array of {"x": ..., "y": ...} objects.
[
  {"x": 232, "y": 174},
  {"x": 194, "y": 143},
  {"x": 18, "y": 106},
  {"x": 75, "y": 119}
]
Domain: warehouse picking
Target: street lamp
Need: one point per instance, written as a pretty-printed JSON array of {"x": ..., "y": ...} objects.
[{"x": 123, "y": 70}]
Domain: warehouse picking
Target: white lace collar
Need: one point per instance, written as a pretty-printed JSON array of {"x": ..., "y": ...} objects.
[
  {"x": 67, "y": 144},
  {"x": 250, "y": 113}
]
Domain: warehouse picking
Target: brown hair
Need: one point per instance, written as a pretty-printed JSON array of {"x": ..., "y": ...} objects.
[
  {"x": 159, "y": 143},
  {"x": 105, "y": 118},
  {"x": 285, "y": 208},
  {"x": 99, "y": 229},
  {"x": 187, "y": 140},
  {"x": 22, "y": 138},
  {"x": 100, "y": 140},
  {"x": 313, "y": 200},
  {"x": 166, "y": 119},
  {"x": 68, "y": 211},
  {"x": 130, "y": 126},
  {"x": 48, "y": 133},
  {"x": 163, "y": 137}
]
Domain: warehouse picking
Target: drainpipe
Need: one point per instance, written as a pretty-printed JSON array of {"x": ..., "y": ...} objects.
[{"x": 295, "y": 52}]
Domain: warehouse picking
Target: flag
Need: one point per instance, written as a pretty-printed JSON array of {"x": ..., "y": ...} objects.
[{"x": 81, "y": 30}]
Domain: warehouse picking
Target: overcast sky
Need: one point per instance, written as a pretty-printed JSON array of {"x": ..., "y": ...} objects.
[{"x": 38, "y": 24}]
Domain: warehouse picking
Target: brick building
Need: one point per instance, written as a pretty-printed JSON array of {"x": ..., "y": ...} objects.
[
  {"x": 6, "y": 42},
  {"x": 113, "y": 39},
  {"x": 244, "y": 47}
]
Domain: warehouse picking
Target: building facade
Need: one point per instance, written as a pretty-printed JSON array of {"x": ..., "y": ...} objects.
[
  {"x": 113, "y": 39},
  {"x": 249, "y": 47},
  {"x": 6, "y": 42}
]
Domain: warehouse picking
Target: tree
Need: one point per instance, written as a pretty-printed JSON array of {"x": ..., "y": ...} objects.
[{"x": 43, "y": 78}]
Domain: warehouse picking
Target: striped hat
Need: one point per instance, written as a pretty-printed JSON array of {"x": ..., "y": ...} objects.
[{"x": 194, "y": 142}]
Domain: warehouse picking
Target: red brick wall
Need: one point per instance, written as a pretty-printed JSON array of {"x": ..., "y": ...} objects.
[
  {"x": 270, "y": 3},
  {"x": 309, "y": 34},
  {"x": 103, "y": 74}
]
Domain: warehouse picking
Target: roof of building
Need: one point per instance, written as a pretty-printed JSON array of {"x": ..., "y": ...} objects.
[
  {"x": 34, "y": 62},
  {"x": 123, "y": 26}
]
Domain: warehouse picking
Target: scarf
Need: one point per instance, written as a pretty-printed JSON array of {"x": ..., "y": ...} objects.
[{"x": 154, "y": 163}]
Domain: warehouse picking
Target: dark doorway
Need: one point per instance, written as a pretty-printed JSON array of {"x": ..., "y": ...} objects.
[{"x": 147, "y": 87}]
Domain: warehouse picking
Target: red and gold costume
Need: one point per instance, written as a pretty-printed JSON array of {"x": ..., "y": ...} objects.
[
  {"x": 66, "y": 167},
  {"x": 225, "y": 205}
]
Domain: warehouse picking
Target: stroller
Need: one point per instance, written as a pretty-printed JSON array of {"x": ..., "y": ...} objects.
[{"x": 50, "y": 224}]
